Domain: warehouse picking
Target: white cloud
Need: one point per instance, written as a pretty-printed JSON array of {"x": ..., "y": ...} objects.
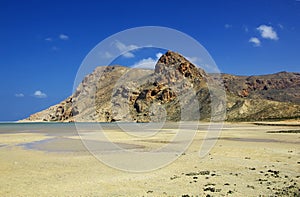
[
  {"x": 158, "y": 55},
  {"x": 227, "y": 26},
  {"x": 255, "y": 41},
  {"x": 119, "y": 48},
  {"x": 19, "y": 95},
  {"x": 39, "y": 94},
  {"x": 63, "y": 37},
  {"x": 145, "y": 63},
  {"x": 148, "y": 62},
  {"x": 124, "y": 49},
  {"x": 267, "y": 32},
  {"x": 49, "y": 39}
]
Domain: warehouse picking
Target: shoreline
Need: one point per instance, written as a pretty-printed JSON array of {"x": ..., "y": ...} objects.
[{"x": 289, "y": 122}]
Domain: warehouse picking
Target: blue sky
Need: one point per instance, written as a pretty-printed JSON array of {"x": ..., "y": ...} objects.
[{"x": 42, "y": 43}]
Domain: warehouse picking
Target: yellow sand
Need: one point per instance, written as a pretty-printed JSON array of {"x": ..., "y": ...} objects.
[{"x": 236, "y": 167}]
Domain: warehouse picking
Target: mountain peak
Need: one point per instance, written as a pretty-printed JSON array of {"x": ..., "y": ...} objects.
[
  {"x": 176, "y": 66},
  {"x": 171, "y": 57}
]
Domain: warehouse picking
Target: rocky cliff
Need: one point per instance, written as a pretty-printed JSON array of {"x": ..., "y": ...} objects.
[
  {"x": 176, "y": 90},
  {"x": 283, "y": 86}
]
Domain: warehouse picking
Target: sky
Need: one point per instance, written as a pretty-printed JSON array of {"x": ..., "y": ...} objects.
[{"x": 43, "y": 43}]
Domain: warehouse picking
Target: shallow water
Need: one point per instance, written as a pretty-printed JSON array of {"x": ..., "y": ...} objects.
[
  {"x": 61, "y": 144},
  {"x": 64, "y": 137},
  {"x": 2, "y": 145}
]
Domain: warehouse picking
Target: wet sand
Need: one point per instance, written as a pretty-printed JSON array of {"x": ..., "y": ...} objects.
[{"x": 247, "y": 160}]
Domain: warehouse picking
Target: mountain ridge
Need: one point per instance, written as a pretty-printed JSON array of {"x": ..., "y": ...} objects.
[{"x": 117, "y": 93}]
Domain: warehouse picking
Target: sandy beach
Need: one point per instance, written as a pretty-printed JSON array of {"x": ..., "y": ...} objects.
[{"x": 247, "y": 160}]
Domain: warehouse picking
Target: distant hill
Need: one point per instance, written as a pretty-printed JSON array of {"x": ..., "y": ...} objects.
[
  {"x": 282, "y": 86},
  {"x": 117, "y": 93}
]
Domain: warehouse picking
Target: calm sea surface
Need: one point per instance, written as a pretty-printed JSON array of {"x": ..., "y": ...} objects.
[
  {"x": 52, "y": 127},
  {"x": 72, "y": 127}
]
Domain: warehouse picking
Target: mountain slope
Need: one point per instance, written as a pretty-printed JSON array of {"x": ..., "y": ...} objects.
[{"x": 283, "y": 86}]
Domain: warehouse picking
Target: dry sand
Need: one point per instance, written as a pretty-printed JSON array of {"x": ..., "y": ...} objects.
[{"x": 246, "y": 161}]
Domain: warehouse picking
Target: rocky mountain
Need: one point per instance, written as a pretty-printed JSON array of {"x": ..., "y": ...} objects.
[
  {"x": 283, "y": 86},
  {"x": 177, "y": 90}
]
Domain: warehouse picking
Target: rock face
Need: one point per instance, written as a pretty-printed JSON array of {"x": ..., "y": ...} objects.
[
  {"x": 176, "y": 90},
  {"x": 283, "y": 86},
  {"x": 63, "y": 111}
]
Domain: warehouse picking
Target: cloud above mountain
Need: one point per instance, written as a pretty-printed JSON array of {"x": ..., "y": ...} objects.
[{"x": 148, "y": 63}]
